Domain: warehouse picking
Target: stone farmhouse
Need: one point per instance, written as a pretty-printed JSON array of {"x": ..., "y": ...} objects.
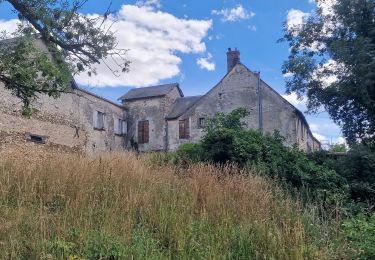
[{"x": 157, "y": 118}]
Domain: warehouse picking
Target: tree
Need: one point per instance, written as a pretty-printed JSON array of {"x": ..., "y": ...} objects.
[
  {"x": 75, "y": 43},
  {"x": 338, "y": 148},
  {"x": 332, "y": 62}
]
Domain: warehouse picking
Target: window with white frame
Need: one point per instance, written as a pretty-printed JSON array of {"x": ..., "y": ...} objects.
[
  {"x": 120, "y": 127},
  {"x": 99, "y": 120}
]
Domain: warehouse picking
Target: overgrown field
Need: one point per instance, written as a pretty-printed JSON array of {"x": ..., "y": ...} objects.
[{"x": 121, "y": 206}]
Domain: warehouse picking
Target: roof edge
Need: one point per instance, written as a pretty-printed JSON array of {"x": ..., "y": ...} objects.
[
  {"x": 76, "y": 87},
  {"x": 122, "y": 98}
]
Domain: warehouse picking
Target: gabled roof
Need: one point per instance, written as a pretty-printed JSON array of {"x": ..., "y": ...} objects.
[
  {"x": 298, "y": 112},
  {"x": 150, "y": 92},
  {"x": 181, "y": 105}
]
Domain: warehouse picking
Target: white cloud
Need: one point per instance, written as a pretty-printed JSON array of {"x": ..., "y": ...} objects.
[
  {"x": 252, "y": 28},
  {"x": 206, "y": 63},
  {"x": 288, "y": 75},
  {"x": 154, "y": 39},
  {"x": 327, "y": 73},
  {"x": 153, "y": 4},
  {"x": 319, "y": 136},
  {"x": 234, "y": 14},
  {"x": 298, "y": 102},
  {"x": 295, "y": 19},
  {"x": 8, "y": 26},
  {"x": 326, "y": 6}
]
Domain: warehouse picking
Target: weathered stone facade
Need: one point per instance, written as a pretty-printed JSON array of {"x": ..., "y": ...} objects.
[
  {"x": 65, "y": 124},
  {"x": 149, "y": 119},
  {"x": 240, "y": 87}
]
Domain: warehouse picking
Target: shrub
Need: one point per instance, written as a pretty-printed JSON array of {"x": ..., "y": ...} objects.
[
  {"x": 360, "y": 232},
  {"x": 357, "y": 167},
  {"x": 190, "y": 152},
  {"x": 223, "y": 143}
]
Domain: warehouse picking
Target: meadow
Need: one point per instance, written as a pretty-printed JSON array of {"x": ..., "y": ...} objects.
[{"x": 129, "y": 206}]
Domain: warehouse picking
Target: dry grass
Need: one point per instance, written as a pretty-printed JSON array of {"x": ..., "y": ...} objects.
[{"x": 127, "y": 207}]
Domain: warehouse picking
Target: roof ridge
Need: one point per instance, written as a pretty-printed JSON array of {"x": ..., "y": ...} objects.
[{"x": 150, "y": 92}]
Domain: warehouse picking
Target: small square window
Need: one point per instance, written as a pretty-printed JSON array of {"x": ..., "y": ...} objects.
[{"x": 201, "y": 122}]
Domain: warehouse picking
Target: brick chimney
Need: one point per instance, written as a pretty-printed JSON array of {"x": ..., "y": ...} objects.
[{"x": 233, "y": 58}]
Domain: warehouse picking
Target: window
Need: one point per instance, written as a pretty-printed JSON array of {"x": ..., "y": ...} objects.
[
  {"x": 120, "y": 126},
  {"x": 36, "y": 138},
  {"x": 143, "y": 132},
  {"x": 201, "y": 122},
  {"x": 99, "y": 121},
  {"x": 184, "y": 132}
]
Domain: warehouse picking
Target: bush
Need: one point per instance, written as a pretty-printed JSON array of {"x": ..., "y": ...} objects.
[
  {"x": 357, "y": 167},
  {"x": 360, "y": 232},
  {"x": 190, "y": 152},
  {"x": 223, "y": 143}
]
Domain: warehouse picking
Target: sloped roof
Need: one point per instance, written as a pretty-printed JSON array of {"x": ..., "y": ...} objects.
[
  {"x": 149, "y": 92},
  {"x": 181, "y": 105},
  {"x": 298, "y": 112}
]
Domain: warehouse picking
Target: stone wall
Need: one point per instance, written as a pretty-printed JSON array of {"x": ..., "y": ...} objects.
[
  {"x": 65, "y": 124},
  {"x": 239, "y": 88},
  {"x": 154, "y": 110}
]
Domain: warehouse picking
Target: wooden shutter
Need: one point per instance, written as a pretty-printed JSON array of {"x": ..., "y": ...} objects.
[
  {"x": 146, "y": 132},
  {"x": 140, "y": 132},
  {"x": 184, "y": 131},
  {"x": 143, "y": 132}
]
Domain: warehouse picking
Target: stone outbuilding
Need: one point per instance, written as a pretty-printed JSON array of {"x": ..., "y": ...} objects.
[
  {"x": 157, "y": 118},
  {"x": 160, "y": 118}
]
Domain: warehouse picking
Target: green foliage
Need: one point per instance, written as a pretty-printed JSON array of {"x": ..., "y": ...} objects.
[
  {"x": 338, "y": 148},
  {"x": 337, "y": 44},
  {"x": 223, "y": 121},
  {"x": 360, "y": 232},
  {"x": 190, "y": 152},
  {"x": 160, "y": 158},
  {"x": 357, "y": 167},
  {"x": 230, "y": 142},
  {"x": 28, "y": 71},
  {"x": 102, "y": 246},
  {"x": 121, "y": 206},
  {"x": 74, "y": 44}
]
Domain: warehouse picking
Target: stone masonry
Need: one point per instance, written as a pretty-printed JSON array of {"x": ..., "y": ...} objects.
[{"x": 149, "y": 119}]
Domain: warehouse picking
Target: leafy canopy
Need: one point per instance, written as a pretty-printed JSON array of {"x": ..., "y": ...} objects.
[
  {"x": 332, "y": 62},
  {"x": 74, "y": 44}
]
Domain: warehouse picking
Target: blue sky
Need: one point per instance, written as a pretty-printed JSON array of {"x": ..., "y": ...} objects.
[{"x": 186, "y": 41}]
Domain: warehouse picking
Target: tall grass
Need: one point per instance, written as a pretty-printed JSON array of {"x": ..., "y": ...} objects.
[{"x": 121, "y": 206}]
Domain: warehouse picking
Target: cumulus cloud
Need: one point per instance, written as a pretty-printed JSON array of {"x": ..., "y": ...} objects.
[
  {"x": 234, "y": 14},
  {"x": 8, "y": 26},
  {"x": 327, "y": 73},
  {"x": 298, "y": 102},
  {"x": 206, "y": 63},
  {"x": 295, "y": 19},
  {"x": 154, "y": 39},
  {"x": 149, "y": 3},
  {"x": 326, "y": 6}
]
